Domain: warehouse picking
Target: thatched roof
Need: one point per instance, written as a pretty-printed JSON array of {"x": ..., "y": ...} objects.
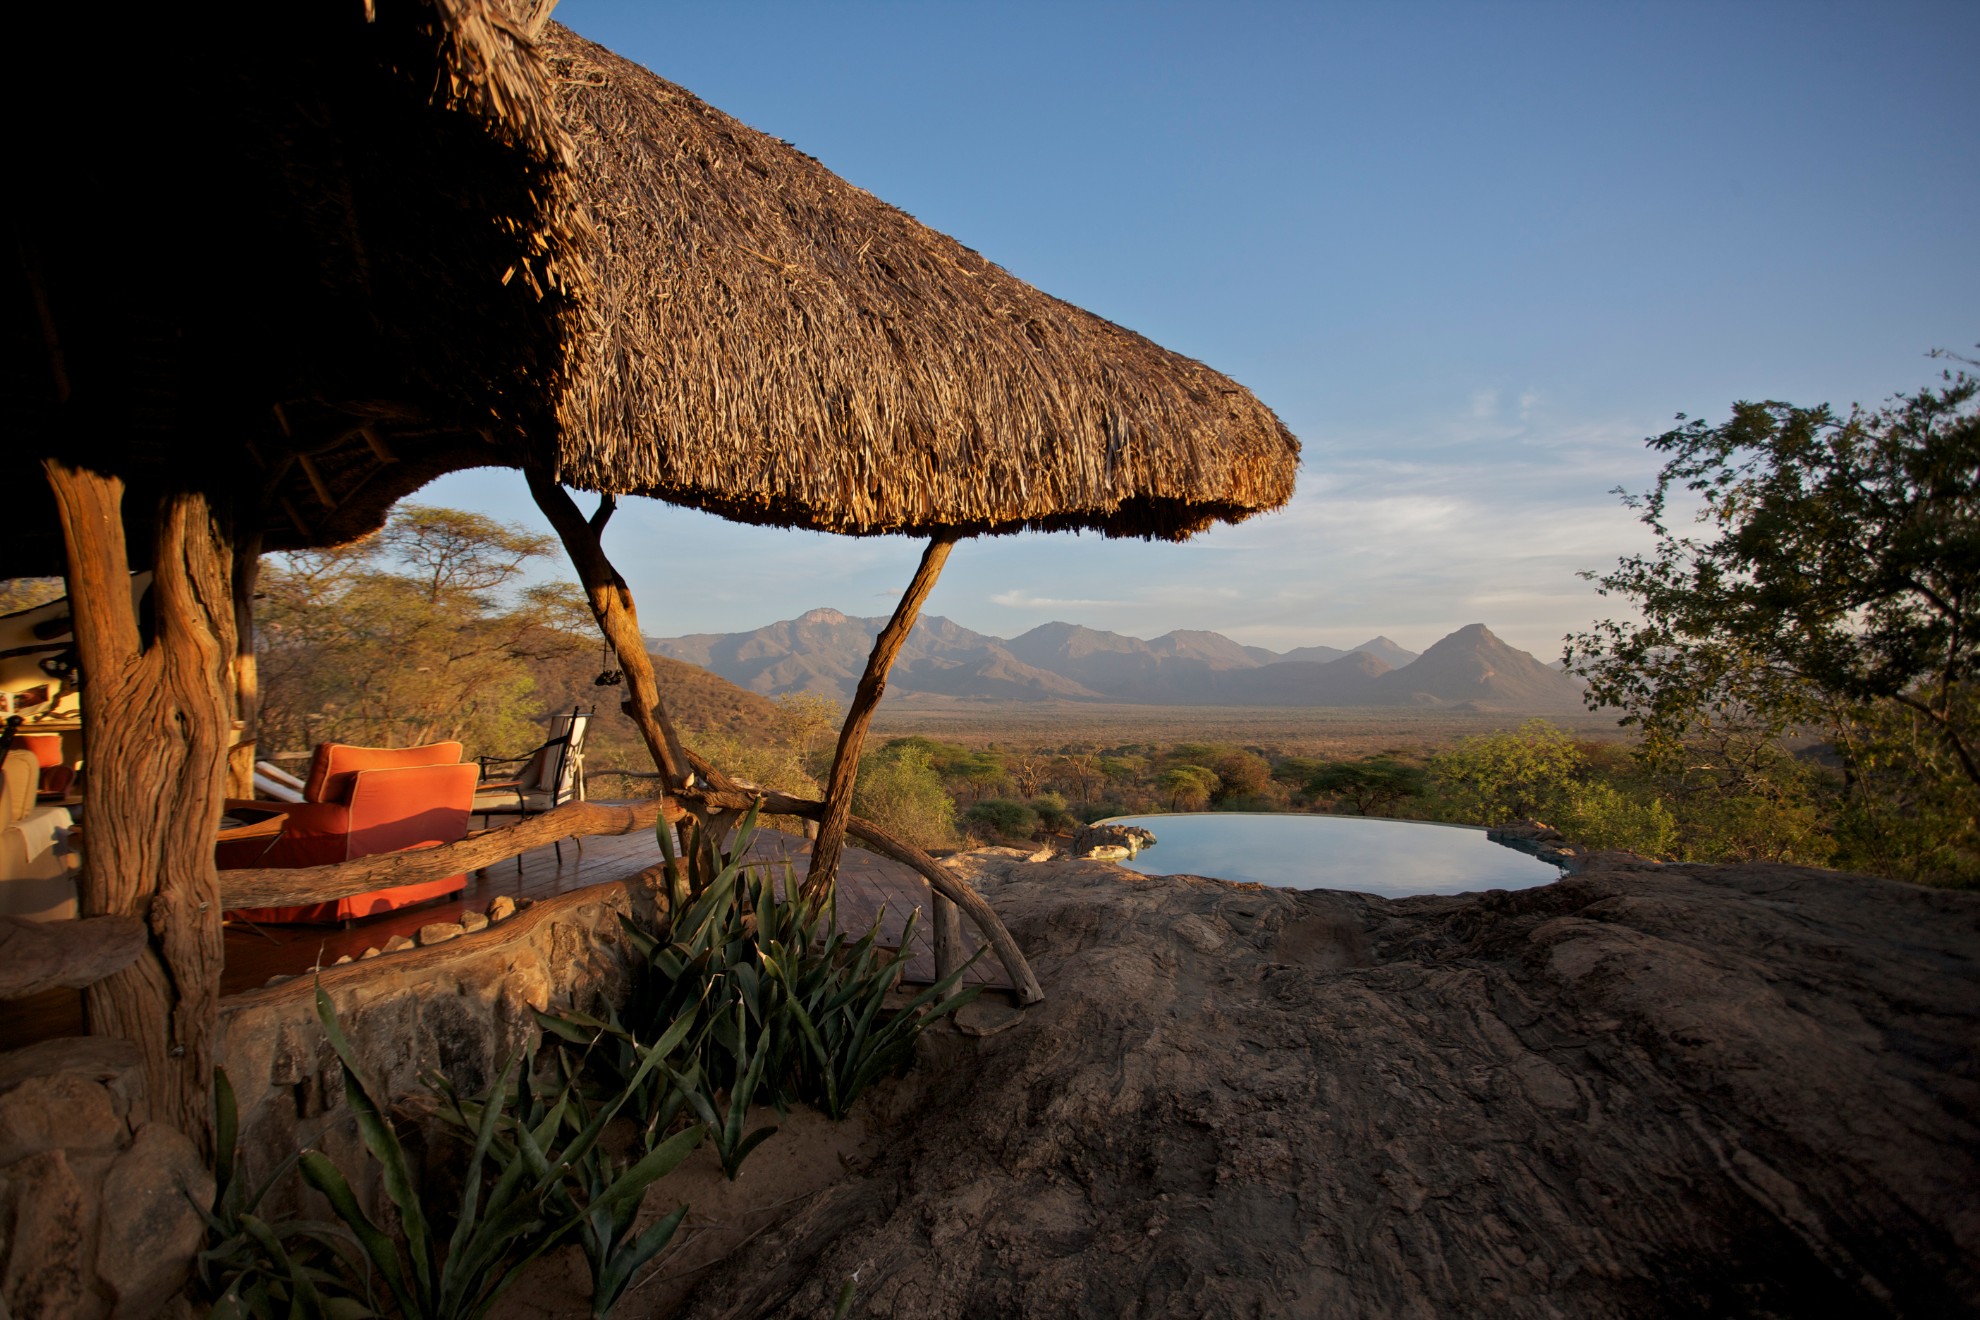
[
  {"x": 323, "y": 255},
  {"x": 778, "y": 346}
]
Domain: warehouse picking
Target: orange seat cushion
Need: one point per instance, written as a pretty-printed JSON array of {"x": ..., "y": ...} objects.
[{"x": 333, "y": 767}]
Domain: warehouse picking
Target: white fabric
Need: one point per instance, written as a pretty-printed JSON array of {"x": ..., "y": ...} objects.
[
  {"x": 543, "y": 768},
  {"x": 274, "y": 784},
  {"x": 539, "y": 793},
  {"x": 37, "y": 866},
  {"x": 20, "y": 776}
]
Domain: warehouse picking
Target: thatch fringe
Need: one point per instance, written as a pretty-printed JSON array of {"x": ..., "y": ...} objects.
[{"x": 777, "y": 346}]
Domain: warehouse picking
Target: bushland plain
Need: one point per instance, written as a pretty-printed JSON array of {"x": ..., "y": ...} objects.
[{"x": 1332, "y": 732}]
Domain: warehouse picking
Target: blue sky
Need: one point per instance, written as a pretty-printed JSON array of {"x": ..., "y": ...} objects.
[{"x": 1471, "y": 253}]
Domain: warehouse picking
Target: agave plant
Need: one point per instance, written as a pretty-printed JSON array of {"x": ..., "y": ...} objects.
[
  {"x": 256, "y": 1266},
  {"x": 520, "y": 1196},
  {"x": 783, "y": 1006}
]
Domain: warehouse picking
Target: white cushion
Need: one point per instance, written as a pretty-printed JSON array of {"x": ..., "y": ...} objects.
[{"x": 37, "y": 866}]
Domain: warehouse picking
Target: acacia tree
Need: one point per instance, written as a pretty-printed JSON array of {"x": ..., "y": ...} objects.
[
  {"x": 1837, "y": 585},
  {"x": 423, "y": 631},
  {"x": 1372, "y": 785},
  {"x": 1188, "y": 787}
]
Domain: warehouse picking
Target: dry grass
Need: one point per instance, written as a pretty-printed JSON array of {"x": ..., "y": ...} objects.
[
  {"x": 1293, "y": 731},
  {"x": 778, "y": 346}
]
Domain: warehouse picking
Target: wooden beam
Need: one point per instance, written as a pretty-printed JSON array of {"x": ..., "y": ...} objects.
[
  {"x": 279, "y": 887},
  {"x": 852, "y": 735},
  {"x": 298, "y": 885},
  {"x": 379, "y": 449},
  {"x": 49, "y": 955},
  {"x": 960, "y": 892},
  {"x": 316, "y": 482},
  {"x": 612, "y": 605}
]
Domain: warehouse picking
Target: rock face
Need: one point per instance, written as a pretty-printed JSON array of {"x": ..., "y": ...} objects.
[
  {"x": 1641, "y": 1091},
  {"x": 1111, "y": 843},
  {"x": 99, "y": 1209}
]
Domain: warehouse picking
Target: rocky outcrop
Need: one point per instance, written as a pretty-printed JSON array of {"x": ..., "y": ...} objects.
[
  {"x": 99, "y": 1208},
  {"x": 1640, "y": 1091},
  {"x": 1111, "y": 843}
]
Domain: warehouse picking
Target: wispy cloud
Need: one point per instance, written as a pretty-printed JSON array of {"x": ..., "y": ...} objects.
[{"x": 1019, "y": 599}]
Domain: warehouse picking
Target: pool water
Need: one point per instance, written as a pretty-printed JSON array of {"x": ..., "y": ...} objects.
[{"x": 1392, "y": 858}]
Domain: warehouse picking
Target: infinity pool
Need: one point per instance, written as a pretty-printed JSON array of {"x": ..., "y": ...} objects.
[{"x": 1392, "y": 858}]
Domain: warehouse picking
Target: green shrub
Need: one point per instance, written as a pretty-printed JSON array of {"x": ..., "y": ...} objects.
[
  {"x": 1188, "y": 787},
  {"x": 1498, "y": 778},
  {"x": 1052, "y": 812},
  {"x": 1373, "y": 785},
  {"x": 899, "y": 790},
  {"x": 1598, "y": 814},
  {"x": 1003, "y": 818},
  {"x": 752, "y": 996},
  {"x": 536, "y": 1177}
]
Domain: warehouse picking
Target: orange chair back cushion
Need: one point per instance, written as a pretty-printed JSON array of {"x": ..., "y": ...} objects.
[
  {"x": 47, "y": 748},
  {"x": 335, "y": 765}
]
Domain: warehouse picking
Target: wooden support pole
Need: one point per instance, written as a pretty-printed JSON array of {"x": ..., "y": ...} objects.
[
  {"x": 852, "y": 735},
  {"x": 316, "y": 482},
  {"x": 612, "y": 605},
  {"x": 157, "y": 719},
  {"x": 242, "y": 753},
  {"x": 948, "y": 936}
]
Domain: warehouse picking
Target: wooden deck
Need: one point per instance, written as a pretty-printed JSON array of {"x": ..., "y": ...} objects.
[{"x": 868, "y": 886}]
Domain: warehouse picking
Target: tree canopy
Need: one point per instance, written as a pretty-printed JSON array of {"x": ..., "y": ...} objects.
[
  {"x": 424, "y": 631},
  {"x": 1835, "y": 586}
]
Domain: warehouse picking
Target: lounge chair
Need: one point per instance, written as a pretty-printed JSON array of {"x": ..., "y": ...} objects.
[
  {"x": 551, "y": 775},
  {"x": 359, "y": 802}
]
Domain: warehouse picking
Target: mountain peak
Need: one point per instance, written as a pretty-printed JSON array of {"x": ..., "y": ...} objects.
[{"x": 825, "y": 650}]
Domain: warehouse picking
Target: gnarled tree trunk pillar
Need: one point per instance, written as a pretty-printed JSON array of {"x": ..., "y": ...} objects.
[
  {"x": 157, "y": 719},
  {"x": 831, "y": 840}
]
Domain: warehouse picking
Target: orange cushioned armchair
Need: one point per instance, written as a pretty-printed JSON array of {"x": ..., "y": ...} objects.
[{"x": 357, "y": 802}]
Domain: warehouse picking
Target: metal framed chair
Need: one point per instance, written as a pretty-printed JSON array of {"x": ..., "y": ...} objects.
[{"x": 551, "y": 775}]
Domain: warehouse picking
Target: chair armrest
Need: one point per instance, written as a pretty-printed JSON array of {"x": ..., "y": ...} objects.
[{"x": 486, "y": 761}]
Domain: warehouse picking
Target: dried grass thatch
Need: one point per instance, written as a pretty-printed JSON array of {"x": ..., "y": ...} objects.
[
  {"x": 325, "y": 252},
  {"x": 777, "y": 346}
]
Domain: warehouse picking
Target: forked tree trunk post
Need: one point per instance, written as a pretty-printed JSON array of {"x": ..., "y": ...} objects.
[
  {"x": 242, "y": 754},
  {"x": 831, "y": 840},
  {"x": 157, "y": 716},
  {"x": 612, "y": 605}
]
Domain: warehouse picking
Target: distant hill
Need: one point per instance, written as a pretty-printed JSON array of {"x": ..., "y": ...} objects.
[
  {"x": 1471, "y": 667},
  {"x": 824, "y": 651},
  {"x": 697, "y": 700}
]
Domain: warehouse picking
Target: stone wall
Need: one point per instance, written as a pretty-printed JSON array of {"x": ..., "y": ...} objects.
[
  {"x": 459, "y": 1007},
  {"x": 97, "y": 1214}
]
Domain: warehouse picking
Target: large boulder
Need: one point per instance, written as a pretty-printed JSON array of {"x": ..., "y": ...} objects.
[
  {"x": 1638, "y": 1091},
  {"x": 99, "y": 1209}
]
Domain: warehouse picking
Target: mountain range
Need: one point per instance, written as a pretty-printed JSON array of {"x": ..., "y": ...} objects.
[{"x": 824, "y": 651}]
